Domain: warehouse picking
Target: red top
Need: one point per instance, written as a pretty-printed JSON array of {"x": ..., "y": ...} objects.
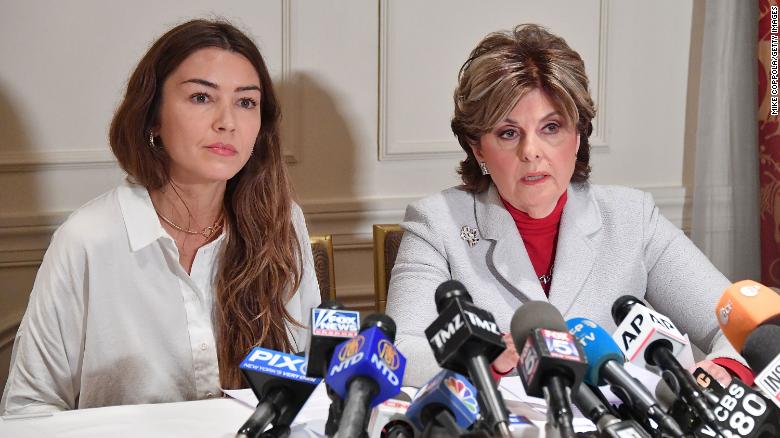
[{"x": 540, "y": 237}]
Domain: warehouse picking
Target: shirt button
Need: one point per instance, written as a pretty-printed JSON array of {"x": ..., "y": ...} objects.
[{"x": 203, "y": 346}]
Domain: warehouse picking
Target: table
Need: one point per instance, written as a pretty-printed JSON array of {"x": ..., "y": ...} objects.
[{"x": 213, "y": 418}]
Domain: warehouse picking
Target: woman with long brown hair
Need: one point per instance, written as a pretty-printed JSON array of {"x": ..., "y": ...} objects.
[{"x": 156, "y": 290}]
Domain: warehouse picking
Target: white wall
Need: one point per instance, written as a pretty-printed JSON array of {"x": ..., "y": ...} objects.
[{"x": 367, "y": 91}]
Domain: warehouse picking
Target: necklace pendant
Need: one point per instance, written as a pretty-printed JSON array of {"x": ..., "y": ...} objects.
[{"x": 207, "y": 232}]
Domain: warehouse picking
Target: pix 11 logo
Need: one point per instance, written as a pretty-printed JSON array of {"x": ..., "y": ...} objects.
[{"x": 463, "y": 392}]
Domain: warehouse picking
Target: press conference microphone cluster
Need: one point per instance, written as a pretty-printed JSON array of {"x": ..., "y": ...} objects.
[
  {"x": 281, "y": 386},
  {"x": 650, "y": 339},
  {"x": 605, "y": 365},
  {"x": 330, "y": 324},
  {"x": 365, "y": 371},
  {"x": 466, "y": 339},
  {"x": 551, "y": 363}
]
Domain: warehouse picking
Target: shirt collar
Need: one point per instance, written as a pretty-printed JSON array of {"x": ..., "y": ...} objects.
[{"x": 139, "y": 215}]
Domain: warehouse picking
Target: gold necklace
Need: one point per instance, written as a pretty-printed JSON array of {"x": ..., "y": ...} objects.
[{"x": 206, "y": 232}]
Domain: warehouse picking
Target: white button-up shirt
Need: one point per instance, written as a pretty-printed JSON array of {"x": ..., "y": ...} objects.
[{"x": 114, "y": 319}]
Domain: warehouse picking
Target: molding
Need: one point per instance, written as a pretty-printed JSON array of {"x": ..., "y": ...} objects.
[
  {"x": 288, "y": 90},
  {"x": 598, "y": 139},
  {"x": 32, "y": 161},
  {"x": 24, "y": 237}
]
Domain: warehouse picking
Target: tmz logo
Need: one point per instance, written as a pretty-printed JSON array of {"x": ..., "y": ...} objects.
[
  {"x": 276, "y": 363},
  {"x": 331, "y": 322},
  {"x": 444, "y": 335}
]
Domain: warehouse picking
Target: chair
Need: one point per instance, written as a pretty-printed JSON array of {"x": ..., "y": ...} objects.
[
  {"x": 387, "y": 239},
  {"x": 322, "y": 251}
]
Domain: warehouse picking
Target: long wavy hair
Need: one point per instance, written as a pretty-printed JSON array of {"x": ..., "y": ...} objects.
[{"x": 259, "y": 267}]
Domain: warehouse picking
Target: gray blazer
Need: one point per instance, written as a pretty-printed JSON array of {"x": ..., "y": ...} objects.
[{"x": 612, "y": 242}]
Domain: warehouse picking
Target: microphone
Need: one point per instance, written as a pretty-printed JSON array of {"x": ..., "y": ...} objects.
[
  {"x": 607, "y": 424},
  {"x": 762, "y": 353},
  {"x": 279, "y": 381},
  {"x": 551, "y": 363},
  {"x": 605, "y": 364},
  {"x": 389, "y": 420},
  {"x": 329, "y": 325},
  {"x": 365, "y": 371},
  {"x": 657, "y": 344},
  {"x": 466, "y": 339},
  {"x": 744, "y": 412},
  {"x": 744, "y": 306},
  {"x": 447, "y": 399}
]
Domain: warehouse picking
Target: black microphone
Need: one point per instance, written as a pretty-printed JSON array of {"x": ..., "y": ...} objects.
[
  {"x": 365, "y": 371},
  {"x": 605, "y": 363},
  {"x": 551, "y": 363},
  {"x": 660, "y": 352},
  {"x": 330, "y": 324},
  {"x": 281, "y": 386},
  {"x": 762, "y": 353},
  {"x": 608, "y": 425},
  {"x": 466, "y": 339}
]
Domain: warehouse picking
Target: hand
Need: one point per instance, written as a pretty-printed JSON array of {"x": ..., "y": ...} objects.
[
  {"x": 507, "y": 360},
  {"x": 718, "y": 372}
]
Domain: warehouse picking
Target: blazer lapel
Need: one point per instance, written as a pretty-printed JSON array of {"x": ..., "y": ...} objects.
[
  {"x": 507, "y": 258},
  {"x": 575, "y": 255}
]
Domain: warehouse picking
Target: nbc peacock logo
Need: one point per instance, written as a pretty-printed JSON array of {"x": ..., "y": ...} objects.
[{"x": 463, "y": 392}]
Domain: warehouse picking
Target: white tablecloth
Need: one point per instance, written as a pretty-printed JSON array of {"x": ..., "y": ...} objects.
[{"x": 215, "y": 418}]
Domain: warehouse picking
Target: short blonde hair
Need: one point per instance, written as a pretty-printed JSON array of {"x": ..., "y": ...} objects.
[{"x": 499, "y": 72}]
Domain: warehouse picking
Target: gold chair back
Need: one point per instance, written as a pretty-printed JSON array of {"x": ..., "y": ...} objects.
[
  {"x": 322, "y": 251},
  {"x": 387, "y": 239}
]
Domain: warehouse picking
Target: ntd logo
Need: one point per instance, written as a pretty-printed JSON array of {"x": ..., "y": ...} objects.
[
  {"x": 332, "y": 322},
  {"x": 349, "y": 354},
  {"x": 388, "y": 354}
]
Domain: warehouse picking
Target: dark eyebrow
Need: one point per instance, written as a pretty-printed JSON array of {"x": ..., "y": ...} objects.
[
  {"x": 553, "y": 113},
  {"x": 216, "y": 87}
]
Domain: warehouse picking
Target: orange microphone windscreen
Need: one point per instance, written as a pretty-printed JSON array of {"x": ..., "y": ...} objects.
[{"x": 744, "y": 306}]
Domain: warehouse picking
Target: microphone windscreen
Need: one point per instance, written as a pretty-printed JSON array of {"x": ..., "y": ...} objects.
[
  {"x": 383, "y": 322},
  {"x": 598, "y": 346},
  {"x": 533, "y": 315},
  {"x": 761, "y": 347},
  {"x": 622, "y": 306},
  {"x": 449, "y": 290},
  {"x": 744, "y": 306}
]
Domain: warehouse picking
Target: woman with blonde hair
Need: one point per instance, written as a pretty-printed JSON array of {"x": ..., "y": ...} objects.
[
  {"x": 527, "y": 225},
  {"x": 155, "y": 291}
]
